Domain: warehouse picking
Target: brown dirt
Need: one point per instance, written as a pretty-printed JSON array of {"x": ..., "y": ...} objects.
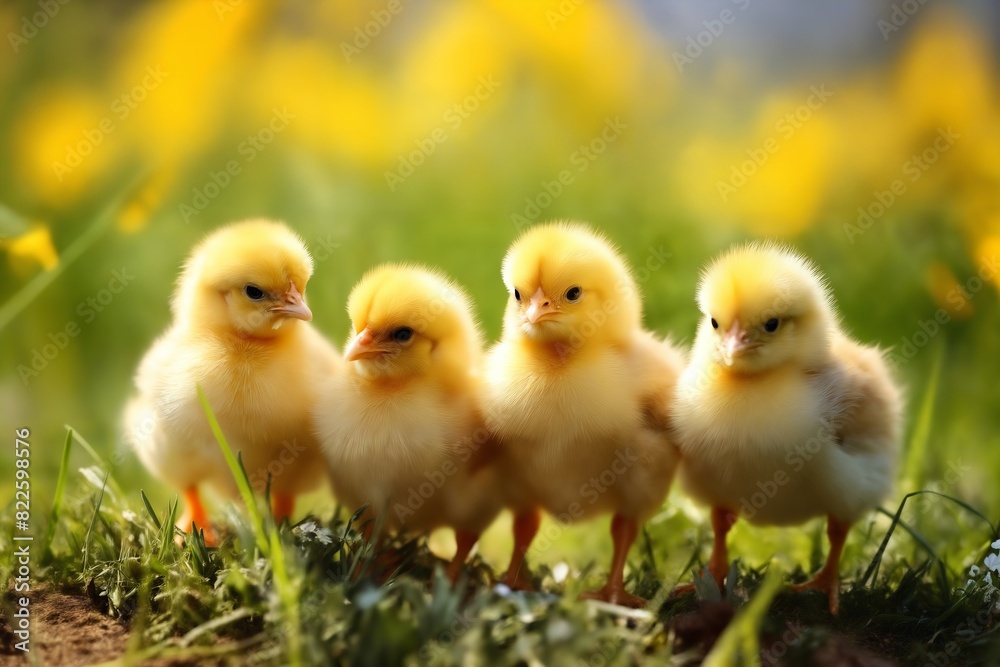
[{"x": 66, "y": 630}]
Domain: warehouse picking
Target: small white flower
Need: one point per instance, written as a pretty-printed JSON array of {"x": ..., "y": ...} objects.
[
  {"x": 993, "y": 562},
  {"x": 996, "y": 545},
  {"x": 974, "y": 571},
  {"x": 559, "y": 572},
  {"x": 989, "y": 579},
  {"x": 129, "y": 516},
  {"x": 311, "y": 530}
]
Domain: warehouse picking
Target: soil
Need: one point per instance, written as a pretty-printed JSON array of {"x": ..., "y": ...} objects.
[{"x": 66, "y": 630}]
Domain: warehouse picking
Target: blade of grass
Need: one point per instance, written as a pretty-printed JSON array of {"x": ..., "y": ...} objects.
[
  {"x": 90, "y": 529},
  {"x": 877, "y": 559},
  {"x": 916, "y": 451},
  {"x": 50, "y": 529},
  {"x": 103, "y": 221},
  {"x": 149, "y": 509},
  {"x": 740, "y": 643},
  {"x": 99, "y": 460},
  {"x": 289, "y": 600},
  {"x": 239, "y": 474}
]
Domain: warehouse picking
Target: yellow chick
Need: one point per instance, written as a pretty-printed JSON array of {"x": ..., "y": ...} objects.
[
  {"x": 578, "y": 394},
  {"x": 241, "y": 332},
  {"x": 780, "y": 416},
  {"x": 401, "y": 427}
]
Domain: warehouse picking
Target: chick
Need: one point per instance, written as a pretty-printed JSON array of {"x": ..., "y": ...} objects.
[
  {"x": 401, "y": 427},
  {"x": 780, "y": 416},
  {"x": 240, "y": 330},
  {"x": 578, "y": 393}
]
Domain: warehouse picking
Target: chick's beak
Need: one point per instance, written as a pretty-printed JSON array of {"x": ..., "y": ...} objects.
[
  {"x": 539, "y": 308},
  {"x": 293, "y": 305},
  {"x": 734, "y": 343},
  {"x": 363, "y": 346}
]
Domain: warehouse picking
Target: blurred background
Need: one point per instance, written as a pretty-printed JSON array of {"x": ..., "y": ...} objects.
[{"x": 867, "y": 134}]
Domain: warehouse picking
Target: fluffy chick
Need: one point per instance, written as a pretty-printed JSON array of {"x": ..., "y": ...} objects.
[
  {"x": 577, "y": 394},
  {"x": 401, "y": 427},
  {"x": 780, "y": 416},
  {"x": 240, "y": 330}
]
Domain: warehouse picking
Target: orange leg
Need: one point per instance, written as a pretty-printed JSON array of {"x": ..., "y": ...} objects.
[
  {"x": 827, "y": 579},
  {"x": 194, "y": 512},
  {"x": 525, "y": 528},
  {"x": 718, "y": 563},
  {"x": 464, "y": 541},
  {"x": 623, "y": 533},
  {"x": 282, "y": 505}
]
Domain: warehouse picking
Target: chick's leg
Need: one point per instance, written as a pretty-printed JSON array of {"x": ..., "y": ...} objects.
[
  {"x": 194, "y": 512},
  {"x": 525, "y": 528},
  {"x": 828, "y": 578},
  {"x": 718, "y": 564},
  {"x": 282, "y": 505},
  {"x": 464, "y": 541},
  {"x": 623, "y": 533}
]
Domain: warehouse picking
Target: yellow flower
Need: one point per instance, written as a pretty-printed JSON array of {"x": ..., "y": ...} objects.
[
  {"x": 944, "y": 77},
  {"x": 336, "y": 108},
  {"x": 988, "y": 254},
  {"x": 135, "y": 214},
  {"x": 33, "y": 247},
  {"x": 60, "y": 144},
  {"x": 170, "y": 91}
]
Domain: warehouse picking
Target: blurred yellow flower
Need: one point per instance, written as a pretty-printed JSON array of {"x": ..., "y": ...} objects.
[
  {"x": 772, "y": 180},
  {"x": 62, "y": 144},
  {"x": 32, "y": 247},
  {"x": 944, "y": 76},
  {"x": 987, "y": 254},
  {"x": 171, "y": 89},
  {"x": 445, "y": 63},
  {"x": 597, "y": 56},
  {"x": 342, "y": 110},
  {"x": 135, "y": 214}
]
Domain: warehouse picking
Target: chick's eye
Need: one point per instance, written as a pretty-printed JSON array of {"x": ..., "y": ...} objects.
[
  {"x": 573, "y": 294},
  {"x": 402, "y": 334},
  {"x": 715, "y": 323},
  {"x": 771, "y": 325},
  {"x": 253, "y": 292},
  {"x": 517, "y": 295}
]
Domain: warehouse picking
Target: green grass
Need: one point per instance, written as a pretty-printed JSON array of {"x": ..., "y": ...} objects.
[{"x": 300, "y": 594}]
